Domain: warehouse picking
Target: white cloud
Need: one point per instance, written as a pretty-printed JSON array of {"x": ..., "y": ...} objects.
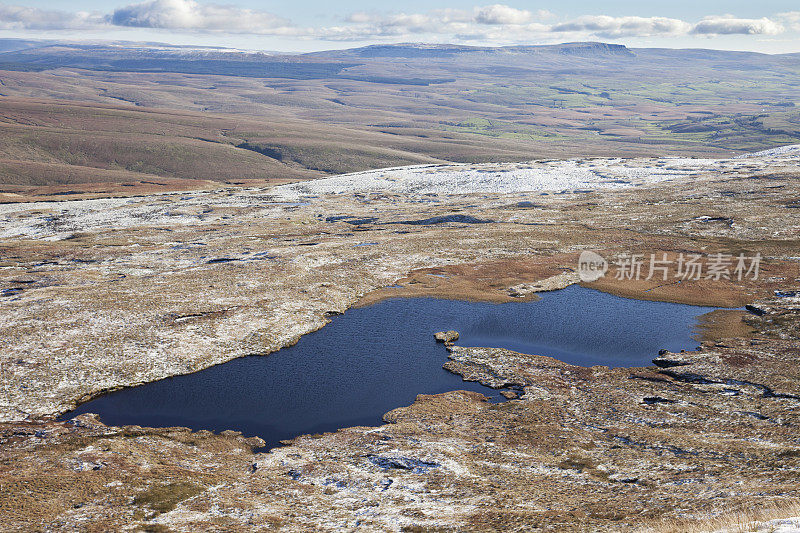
[
  {"x": 729, "y": 25},
  {"x": 606, "y": 26},
  {"x": 375, "y": 25},
  {"x": 29, "y": 18},
  {"x": 495, "y": 23},
  {"x": 791, "y": 19},
  {"x": 500, "y": 14},
  {"x": 506, "y": 24},
  {"x": 363, "y": 25},
  {"x": 190, "y": 15}
]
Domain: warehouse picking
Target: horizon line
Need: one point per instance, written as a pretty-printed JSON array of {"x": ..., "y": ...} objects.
[{"x": 123, "y": 42}]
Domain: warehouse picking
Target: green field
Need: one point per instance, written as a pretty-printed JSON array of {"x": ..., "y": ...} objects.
[{"x": 70, "y": 118}]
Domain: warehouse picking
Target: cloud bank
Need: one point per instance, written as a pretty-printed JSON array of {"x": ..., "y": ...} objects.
[
  {"x": 190, "y": 15},
  {"x": 28, "y": 18},
  {"x": 730, "y": 25},
  {"x": 496, "y": 22},
  {"x": 501, "y": 15},
  {"x": 605, "y": 26},
  {"x": 791, "y": 19}
]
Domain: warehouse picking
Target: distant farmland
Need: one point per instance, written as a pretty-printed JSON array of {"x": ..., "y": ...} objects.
[{"x": 81, "y": 115}]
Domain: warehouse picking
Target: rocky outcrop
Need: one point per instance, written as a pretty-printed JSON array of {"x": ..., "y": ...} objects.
[
  {"x": 667, "y": 359},
  {"x": 447, "y": 337}
]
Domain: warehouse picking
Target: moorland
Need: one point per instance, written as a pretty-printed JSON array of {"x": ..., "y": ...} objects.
[
  {"x": 167, "y": 209},
  {"x": 121, "y": 119}
]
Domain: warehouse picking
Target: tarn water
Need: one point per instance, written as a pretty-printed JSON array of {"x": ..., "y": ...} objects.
[{"x": 373, "y": 359}]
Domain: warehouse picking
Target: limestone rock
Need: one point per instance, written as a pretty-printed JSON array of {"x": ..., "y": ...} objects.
[
  {"x": 668, "y": 359},
  {"x": 446, "y": 337}
]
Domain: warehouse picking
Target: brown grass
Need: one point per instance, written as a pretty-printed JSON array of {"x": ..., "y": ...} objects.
[
  {"x": 484, "y": 282},
  {"x": 164, "y": 498},
  {"x": 724, "y": 324},
  {"x": 739, "y": 520}
]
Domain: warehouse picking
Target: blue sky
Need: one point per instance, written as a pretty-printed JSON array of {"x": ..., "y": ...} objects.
[{"x": 303, "y": 25}]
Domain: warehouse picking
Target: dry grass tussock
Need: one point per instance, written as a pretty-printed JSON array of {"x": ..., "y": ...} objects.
[{"x": 740, "y": 520}]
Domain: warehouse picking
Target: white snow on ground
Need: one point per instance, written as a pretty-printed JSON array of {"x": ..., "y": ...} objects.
[
  {"x": 501, "y": 177},
  {"x": 60, "y": 220},
  {"x": 556, "y": 176},
  {"x": 783, "y": 525},
  {"x": 792, "y": 150}
]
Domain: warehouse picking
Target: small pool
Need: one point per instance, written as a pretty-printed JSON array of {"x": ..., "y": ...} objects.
[{"x": 373, "y": 359}]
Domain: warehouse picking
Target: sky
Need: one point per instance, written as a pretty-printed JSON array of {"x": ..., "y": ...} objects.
[{"x": 308, "y": 25}]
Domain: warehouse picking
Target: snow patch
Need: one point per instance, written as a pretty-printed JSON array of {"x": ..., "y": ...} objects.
[
  {"x": 556, "y": 176},
  {"x": 782, "y": 525},
  {"x": 792, "y": 150},
  {"x": 576, "y": 175}
]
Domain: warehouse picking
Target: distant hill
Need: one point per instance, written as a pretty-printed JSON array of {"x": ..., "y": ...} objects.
[
  {"x": 13, "y": 45},
  {"x": 427, "y": 51},
  {"x": 371, "y": 60},
  {"x": 94, "y": 112}
]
